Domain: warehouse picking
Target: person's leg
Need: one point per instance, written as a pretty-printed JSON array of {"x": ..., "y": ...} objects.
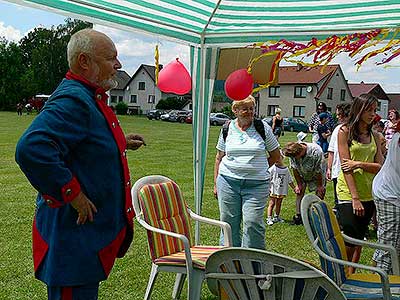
[
  {"x": 270, "y": 209},
  {"x": 254, "y": 194},
  {"x": 278, "y": 206},
  {"x": 82, "y": 292},
  {"x": 230, "y": 207},
  {"x": 388, "y": 217},
  {"x": 334, "y": 180},
  {"x": 300, "y": 196}
]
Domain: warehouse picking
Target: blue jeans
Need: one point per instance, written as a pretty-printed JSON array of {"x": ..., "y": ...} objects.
[{"x": 243, "y": 200}]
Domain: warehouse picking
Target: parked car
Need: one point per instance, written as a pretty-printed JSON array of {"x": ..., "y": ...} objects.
[
  {"x": 293, "y": 124},
  {"x": 155, "y": 114},
  {"x": 165, "y": 116},
  {"x": 218, "y": 118},
  {"x": 189, "y": 119},
  {"x": 178, "y": 116}
]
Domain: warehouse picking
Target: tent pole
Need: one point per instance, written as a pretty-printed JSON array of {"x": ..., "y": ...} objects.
[{"x": 199, "y": 137}]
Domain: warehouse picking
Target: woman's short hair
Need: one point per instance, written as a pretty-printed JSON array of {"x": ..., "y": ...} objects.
[
  {"x": 292, "y": 149},
  {"x": 249, "y": 99},
  {"x": 278, "y": 110},
  {"x": 80, "y": 42}
]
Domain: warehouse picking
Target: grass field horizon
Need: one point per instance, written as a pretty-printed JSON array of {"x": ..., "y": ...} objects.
[{"x": 169, "y": 152}]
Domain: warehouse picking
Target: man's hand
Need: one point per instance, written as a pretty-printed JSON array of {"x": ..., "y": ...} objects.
[
  {"x": 349, "y": 165},
  {"x": 134, "y": 141},
  {"x": 328, "y": 174},
  {"x": 84, "y": 207},
  {"x": 215, "y": 192},
  {"x": 297, "y": 189}
]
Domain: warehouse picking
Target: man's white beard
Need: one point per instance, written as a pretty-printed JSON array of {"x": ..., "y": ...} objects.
[{"x": 108, "y": 84}]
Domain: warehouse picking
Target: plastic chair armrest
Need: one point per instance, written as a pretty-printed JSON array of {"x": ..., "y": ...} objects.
[
  {"x": 182, "y": 237},
  {"x": 383, "y": 275},
  {"x": 389, "y": 248},
  {"x": 223, "y": 225}
]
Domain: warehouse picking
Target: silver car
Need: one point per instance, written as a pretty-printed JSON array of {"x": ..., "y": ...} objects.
[{"x": 218, "y": 118}]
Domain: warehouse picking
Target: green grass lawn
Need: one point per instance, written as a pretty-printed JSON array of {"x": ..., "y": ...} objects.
[{"x": 168, "y": 152}]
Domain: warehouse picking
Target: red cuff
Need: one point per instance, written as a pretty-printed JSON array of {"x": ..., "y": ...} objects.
[
  {"x": 51, "y": 201},
  {"x": 70, "y": 190}
]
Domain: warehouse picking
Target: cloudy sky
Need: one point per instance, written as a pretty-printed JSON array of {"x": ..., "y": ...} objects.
[{"x": 135, "y": 49}]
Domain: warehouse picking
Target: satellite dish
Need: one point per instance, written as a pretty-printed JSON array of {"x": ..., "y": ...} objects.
[{"x": 309, "y": 89}]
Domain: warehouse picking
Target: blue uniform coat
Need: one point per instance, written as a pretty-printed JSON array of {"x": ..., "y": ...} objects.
[{"x": 76, "y": 144}]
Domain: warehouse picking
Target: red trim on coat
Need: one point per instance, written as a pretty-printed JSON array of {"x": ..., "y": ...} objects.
[
  {"x": 66, "y": 293},
  {"x": 39, "y": 246},
  {"x": 51, "y": 201},
  {"x": 70, "y": 190},
  {"x": 99, "y": 91},
  {"x": 109, "y": 253}
]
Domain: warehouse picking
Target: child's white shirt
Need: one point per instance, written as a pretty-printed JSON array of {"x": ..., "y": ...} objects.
[{"x": 280, "y": 179}]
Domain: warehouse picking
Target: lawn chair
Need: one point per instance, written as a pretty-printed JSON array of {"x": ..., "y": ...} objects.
[
  {"x": 250, "y": 274},
  {"x": 323, "y": 231},
  {"x": 161, "y": 209}
]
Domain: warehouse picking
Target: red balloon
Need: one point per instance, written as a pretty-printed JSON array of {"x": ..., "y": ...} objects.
[
  {"x": 174, "y": 78},
  {"x": 239, "y": 85}
]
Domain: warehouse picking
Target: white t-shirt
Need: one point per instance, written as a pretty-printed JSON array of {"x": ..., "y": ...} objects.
[
  {"x": 245, "y": 152},
  {"x": 333, "y": 147},
  {"x": 280, "y": 179},
  {"x": 386, "y": 183}
]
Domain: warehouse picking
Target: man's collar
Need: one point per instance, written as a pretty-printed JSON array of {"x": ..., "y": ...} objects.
[{"x": 100, "y": 93}]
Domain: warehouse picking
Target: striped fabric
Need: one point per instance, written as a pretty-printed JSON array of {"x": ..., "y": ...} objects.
[
  {"x": 354, "y": 286},
  {"x": 225, "y": 22},
  {"x": 326, "y": 227},
  {"x": 164, "y": 207},
  {"x": 368, "y": 286},
  {"x": 200, "y": 255}
]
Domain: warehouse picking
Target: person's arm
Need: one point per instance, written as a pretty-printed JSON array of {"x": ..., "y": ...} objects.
[
  {"x": 369, "y": 167},
  {"x": 329, "y": 167},
  {"x": 273, "y": 123},
  {"x": 299, "y": 181},
  {"x": 344, "y": 154},
  {"x": 274, "y": 156},
  {"x": 218, "y": 158}
]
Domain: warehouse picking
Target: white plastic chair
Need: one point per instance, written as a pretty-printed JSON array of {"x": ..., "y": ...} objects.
[{"x": 161, "y": 209}]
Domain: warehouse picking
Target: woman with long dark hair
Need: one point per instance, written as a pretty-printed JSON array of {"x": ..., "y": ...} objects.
[{"x": 361, "y": 158}]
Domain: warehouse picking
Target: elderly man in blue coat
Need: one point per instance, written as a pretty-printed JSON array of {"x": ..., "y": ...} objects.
[{"x": 74, "y": 154}]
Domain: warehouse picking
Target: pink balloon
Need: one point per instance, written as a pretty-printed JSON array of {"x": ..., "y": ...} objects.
[
  {"x": 239, "y": 85},
  {"x": 174, "y": 78}
]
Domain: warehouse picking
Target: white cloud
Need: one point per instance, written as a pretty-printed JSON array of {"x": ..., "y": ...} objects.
[{"x": 10, "y": 33}]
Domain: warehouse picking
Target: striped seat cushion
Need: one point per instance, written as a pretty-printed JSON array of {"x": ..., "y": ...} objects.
[
  {"x": 164, "y": 207},
  {"x": 200, "y": 255},
  {"x": 326, "y": 228},
  {"x": 368, "y": 286}
]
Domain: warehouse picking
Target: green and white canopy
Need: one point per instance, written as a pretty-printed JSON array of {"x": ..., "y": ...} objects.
[{"x": 208, "y": 25}]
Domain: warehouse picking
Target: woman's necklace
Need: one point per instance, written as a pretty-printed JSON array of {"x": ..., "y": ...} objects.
[{"x": 242, "y": 135}]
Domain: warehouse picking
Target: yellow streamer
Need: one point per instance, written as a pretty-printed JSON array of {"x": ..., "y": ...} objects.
[{"x": 156, "y": 56}]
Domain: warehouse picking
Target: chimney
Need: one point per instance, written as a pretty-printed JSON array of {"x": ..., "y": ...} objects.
[{"x": 299, "y": 66}]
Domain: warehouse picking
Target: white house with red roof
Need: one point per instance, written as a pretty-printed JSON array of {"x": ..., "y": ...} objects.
[
  {"x": 374, "y": 89},
  {"x": 300, "y": 88}
]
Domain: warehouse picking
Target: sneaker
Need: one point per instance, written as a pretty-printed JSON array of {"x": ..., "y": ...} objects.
[
  {"x": 277, "y": 219},
  {"x": 297, "y": 220},
  {"x": 269, "y": 221}
]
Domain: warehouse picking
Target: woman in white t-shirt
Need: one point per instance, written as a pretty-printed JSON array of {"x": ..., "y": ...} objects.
[{"x": 241, "y": 177}]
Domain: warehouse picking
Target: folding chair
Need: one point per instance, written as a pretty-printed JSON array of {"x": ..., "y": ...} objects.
[
  {"x": 250, "y": 274},
  {"x": 323, "y": 231},
  {"x": 161, "y": 209}
]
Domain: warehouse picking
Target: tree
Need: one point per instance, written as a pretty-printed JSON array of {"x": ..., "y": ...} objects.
[
  {"x": 36, "y": 64},
  {"x": 171, "y": 103}
]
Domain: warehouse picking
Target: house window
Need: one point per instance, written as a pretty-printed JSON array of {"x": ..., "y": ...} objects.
[
  {"x": 142, "y": 86},
  {"x": 120, "y": 98},
  {"x": 300, "y": 92},
  {"x": 274, "y": 91},
  {"x": 133, "y": 99},
  {"x": 330, "y": 93},
  {"x": 299, "y": 111},
  {"x": 342, "y": 95},
  {"x": 113, "y": 99},
  {"x": 271, "y": 109},
  {"x": 151, "y": 99}
]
